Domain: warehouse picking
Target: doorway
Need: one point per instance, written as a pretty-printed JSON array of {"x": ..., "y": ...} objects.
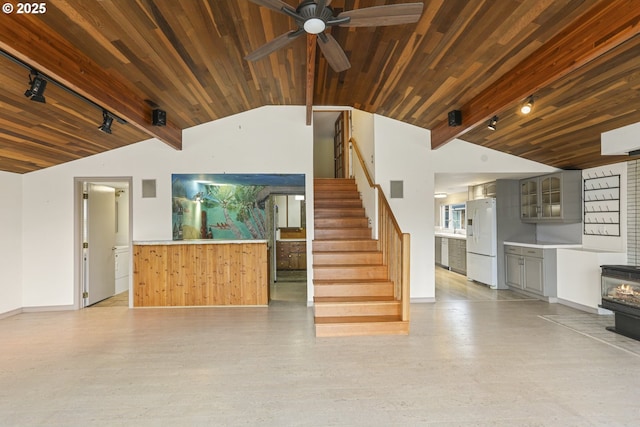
[
  {"x": 103, "y": 243},
  {"x": 289, "y": 281},
  {"x": 331, "y": 144}
]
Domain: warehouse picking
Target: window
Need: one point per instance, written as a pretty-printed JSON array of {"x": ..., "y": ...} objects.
[{"x": 453, "y": 216}]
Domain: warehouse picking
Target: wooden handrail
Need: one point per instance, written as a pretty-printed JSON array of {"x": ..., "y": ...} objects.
[
  {"x": 362, "y": 163},
  {"x": 381, "y": 198},
  {"x": 394, "y": 244}
]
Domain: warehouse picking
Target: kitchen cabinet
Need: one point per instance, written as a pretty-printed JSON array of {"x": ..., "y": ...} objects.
[
  {"x": 555, "y": 197},
  {"x": 482, "y": 191},
  {"x": 458, "y": 255},
  {"x": 291, "y": 255},
  {"x": 438, "y": 250},
  {"x": 532, "y": 270}
]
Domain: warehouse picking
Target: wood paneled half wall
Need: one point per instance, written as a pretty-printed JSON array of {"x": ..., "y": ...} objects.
[{"x": 200, "y": 273}]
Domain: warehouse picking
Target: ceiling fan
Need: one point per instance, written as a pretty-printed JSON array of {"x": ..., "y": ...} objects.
[{"x": 315, "y": 16}]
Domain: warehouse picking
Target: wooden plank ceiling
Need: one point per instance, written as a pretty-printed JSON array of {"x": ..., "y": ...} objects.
[{"x": 186, "y": 57}]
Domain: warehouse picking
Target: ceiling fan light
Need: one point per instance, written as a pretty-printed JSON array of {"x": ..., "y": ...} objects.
[{"x": 314, "y": 26}]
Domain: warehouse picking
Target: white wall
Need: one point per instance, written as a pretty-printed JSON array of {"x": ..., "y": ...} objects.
[
  {"x": 264, "y": 140},
  {"x": 463, "y": 157},
  {"x": 11, "y": 241},
  {"x": 364, "y": 138},
  {"x": 362, "y": 130},
  {"x": 323, "y": 165},
  {"x": 578, "y": 277},
  {"x": 402, "y": 152}
]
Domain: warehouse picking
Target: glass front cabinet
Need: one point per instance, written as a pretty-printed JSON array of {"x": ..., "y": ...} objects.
[
  {"x": 552, "y": 198},
  {"x": 529, "y": 199}
]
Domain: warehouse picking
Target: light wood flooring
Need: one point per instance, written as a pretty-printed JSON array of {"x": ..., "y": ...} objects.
[
  {"x": 486, "y": 361},
  {"x": 118, "y": 300},
  {"x": 452, "y": 286}
]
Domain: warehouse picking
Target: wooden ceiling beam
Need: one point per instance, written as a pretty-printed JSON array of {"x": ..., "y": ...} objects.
[
  {"x": 605, "y": 26},
  {"x": 311, "y": 69},
  {"x": 32, "y": 42}
]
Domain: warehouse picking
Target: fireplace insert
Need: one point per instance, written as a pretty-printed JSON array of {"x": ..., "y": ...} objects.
[{"x": 621, "y": 294}]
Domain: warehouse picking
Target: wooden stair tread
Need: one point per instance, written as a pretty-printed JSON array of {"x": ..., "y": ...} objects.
[
  {"x": 322, "y": 282},
  {"x": 351, "y": 227},
  {"x": 363, "y": 299},
  {"x": 346, "y": 252},
  {"x": 340, "y": 266},
  {"x": 357, "y": 319}
]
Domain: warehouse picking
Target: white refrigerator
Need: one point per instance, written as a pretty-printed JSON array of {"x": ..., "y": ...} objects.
[{"x": 482, "y": 247}]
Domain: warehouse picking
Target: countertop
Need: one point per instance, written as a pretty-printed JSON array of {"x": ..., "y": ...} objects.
[
  {"x": 451, "y": 235},
  {"x": 196, "y": 242},
  {"x": 545, "y": 245}
]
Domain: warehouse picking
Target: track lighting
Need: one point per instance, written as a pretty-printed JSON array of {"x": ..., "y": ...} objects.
[
  {"x": 493, "y": 122},
  {"x": 526, "y": 108},
  {"x": 107, "y": 120},
  {"x": 38, "y": 85}
]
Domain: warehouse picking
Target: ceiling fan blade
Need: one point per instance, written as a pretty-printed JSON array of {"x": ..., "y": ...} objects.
[
  {"x": 320, "y": 5},
  {"x": 391, "y": 14},
  {"x": 334, "y": 54},
  {"x": 276, "y": 5},
  {"x": 275, "y": 44}
]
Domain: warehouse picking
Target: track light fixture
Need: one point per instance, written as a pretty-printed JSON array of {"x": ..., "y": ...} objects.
[
  {"x": 107, "y": 120},
  {"x": 38, "y": 85},
  {"x": 493, "y": 122},
  {"x": 528, "y": 106}
]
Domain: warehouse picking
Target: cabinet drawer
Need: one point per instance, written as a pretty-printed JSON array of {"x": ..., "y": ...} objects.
[
  {"x": 515, "y": 250},
  {"x": 533, "y": 252}
]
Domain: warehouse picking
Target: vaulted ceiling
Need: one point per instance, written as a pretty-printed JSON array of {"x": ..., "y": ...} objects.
[{"x": 579, "y": 59}]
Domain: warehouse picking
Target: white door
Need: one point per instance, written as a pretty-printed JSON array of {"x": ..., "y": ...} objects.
[{"x": 101, "y": 239}]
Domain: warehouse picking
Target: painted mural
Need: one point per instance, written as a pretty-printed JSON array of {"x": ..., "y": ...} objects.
[{"x": 225, "y": 206}]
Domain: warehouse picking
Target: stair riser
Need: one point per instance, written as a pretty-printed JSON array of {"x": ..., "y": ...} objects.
[
  {"x": 339, "y": 213},
  {"x": 340, "y": 222},
  {"x": 337, "y": 203},
  {"x": 348, "y": 185},
  {"x": 336, "y": 194},
  {"x": 334, "y": 258},
  {"x": 361, "y": 329},
  {"x": 350, "y": 273},
  {"x": 342, "y": 233},
  {"x": 357, "y": 309},
  {"x": 344, "y": 245},
  {"x": 354, "y": 290}
]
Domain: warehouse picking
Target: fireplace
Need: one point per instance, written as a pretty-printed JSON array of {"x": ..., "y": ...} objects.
[{"x": 621, "y": 294}]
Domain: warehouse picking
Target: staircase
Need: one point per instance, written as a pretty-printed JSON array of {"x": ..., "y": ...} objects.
[{"x": 352, "y": 291}]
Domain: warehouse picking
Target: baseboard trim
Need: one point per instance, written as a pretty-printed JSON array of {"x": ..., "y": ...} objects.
[
  {"x": 10, "y": 313},
  {"x": 422, "y": 300},
  {"x": 580, "y": 307},
  {"x": 48, "y": 308}
]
